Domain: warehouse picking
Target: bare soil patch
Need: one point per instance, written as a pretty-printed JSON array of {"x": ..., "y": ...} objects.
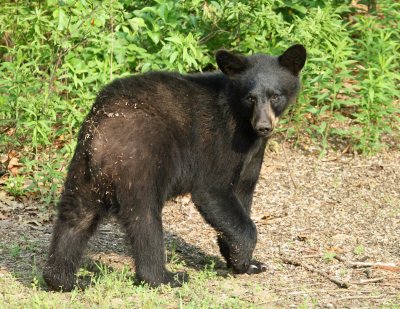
[{"x": 327, "y": 216}]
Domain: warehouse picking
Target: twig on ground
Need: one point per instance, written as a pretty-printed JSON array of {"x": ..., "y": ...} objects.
[
  {"x": 288, "y": 167},
  {"x": 378, "y": 165},
  {"x": 358, "y": 297},
  {"x": 385, "y": 266},
  {"x": 339, "y": 283},
  {"x": 368, "y": 281}
]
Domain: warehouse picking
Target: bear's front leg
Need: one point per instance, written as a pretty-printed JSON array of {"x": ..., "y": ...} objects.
[
  {"x": 254, "y": 267},
  {"x": 238, "y": 233}
]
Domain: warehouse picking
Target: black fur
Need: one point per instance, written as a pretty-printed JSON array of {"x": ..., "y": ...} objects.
[{"x": 151, "y": 137}]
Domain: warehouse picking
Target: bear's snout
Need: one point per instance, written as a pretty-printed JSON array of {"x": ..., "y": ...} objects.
[{"x": 264, "y": 129}]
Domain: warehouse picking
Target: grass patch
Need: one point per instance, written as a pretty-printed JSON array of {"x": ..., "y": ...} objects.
[{"x": 115, "y": 289}]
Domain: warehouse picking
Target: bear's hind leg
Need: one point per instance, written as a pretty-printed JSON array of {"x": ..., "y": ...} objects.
[
  {"x": 142, "y": 223},
  {"x": 73, "y": 228}
]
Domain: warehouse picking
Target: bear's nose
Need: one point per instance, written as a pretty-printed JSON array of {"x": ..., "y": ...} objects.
[{"x": 264, "y": 129}]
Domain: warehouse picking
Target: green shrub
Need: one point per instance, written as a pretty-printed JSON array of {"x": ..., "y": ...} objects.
[{"x": 55, "y": 55}]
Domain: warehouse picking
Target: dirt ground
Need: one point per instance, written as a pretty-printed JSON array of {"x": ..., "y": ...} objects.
[{"x": 329, "y": 230}]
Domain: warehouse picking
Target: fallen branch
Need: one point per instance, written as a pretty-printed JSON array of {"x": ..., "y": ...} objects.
[
  {"x": 368, "y": 281},
  {"x": 378, "y": 165},
  {"x": 359, "y": 297},
  {"x": 385, "y": 266},
  {"x": 370, "y": 264},
  {"x": 339, "y": 283}
]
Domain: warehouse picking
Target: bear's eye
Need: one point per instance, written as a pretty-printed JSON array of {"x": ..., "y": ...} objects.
[
  {"x": 252, "y": 100},
  {"x": 274, "y": 98}
]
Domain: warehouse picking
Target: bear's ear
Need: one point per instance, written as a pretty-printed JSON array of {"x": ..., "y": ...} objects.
[
  {"x": 293, "y": 58},
  {"x": 231, "y": 64}
]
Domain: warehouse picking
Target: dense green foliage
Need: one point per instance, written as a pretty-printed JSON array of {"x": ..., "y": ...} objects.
[{"x": 55, "y": 55}]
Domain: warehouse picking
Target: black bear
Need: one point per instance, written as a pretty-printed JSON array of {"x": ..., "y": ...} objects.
[{"x": 151, "y": 137}]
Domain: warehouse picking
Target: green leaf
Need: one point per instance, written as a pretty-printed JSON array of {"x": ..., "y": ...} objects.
[
  {"x": 174, "y": 39},
  {"x": 173, "y": 57},
  {"x": 136, "y": 23},
  {"x": 154, "y": 36},
  {"x": 62, "y": 20}
]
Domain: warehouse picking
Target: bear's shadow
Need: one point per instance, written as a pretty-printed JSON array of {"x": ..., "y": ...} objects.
[
  {"x": 108, "y": 241},
  {"x": 178, "y": 250},
  {"x": 193, "y": 256}
]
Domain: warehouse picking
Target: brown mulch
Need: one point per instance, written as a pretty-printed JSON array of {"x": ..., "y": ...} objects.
[{"x": 321, "y": 223}]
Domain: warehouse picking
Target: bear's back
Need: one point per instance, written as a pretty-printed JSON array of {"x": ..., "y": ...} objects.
[{"x": 165, "y": 91}]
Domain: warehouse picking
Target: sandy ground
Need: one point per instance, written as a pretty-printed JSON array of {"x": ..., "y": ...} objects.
[{"x": 322, "y": 223}]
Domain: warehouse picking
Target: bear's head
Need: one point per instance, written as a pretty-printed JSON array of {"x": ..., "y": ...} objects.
[{"x": 263, "y": 86}]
